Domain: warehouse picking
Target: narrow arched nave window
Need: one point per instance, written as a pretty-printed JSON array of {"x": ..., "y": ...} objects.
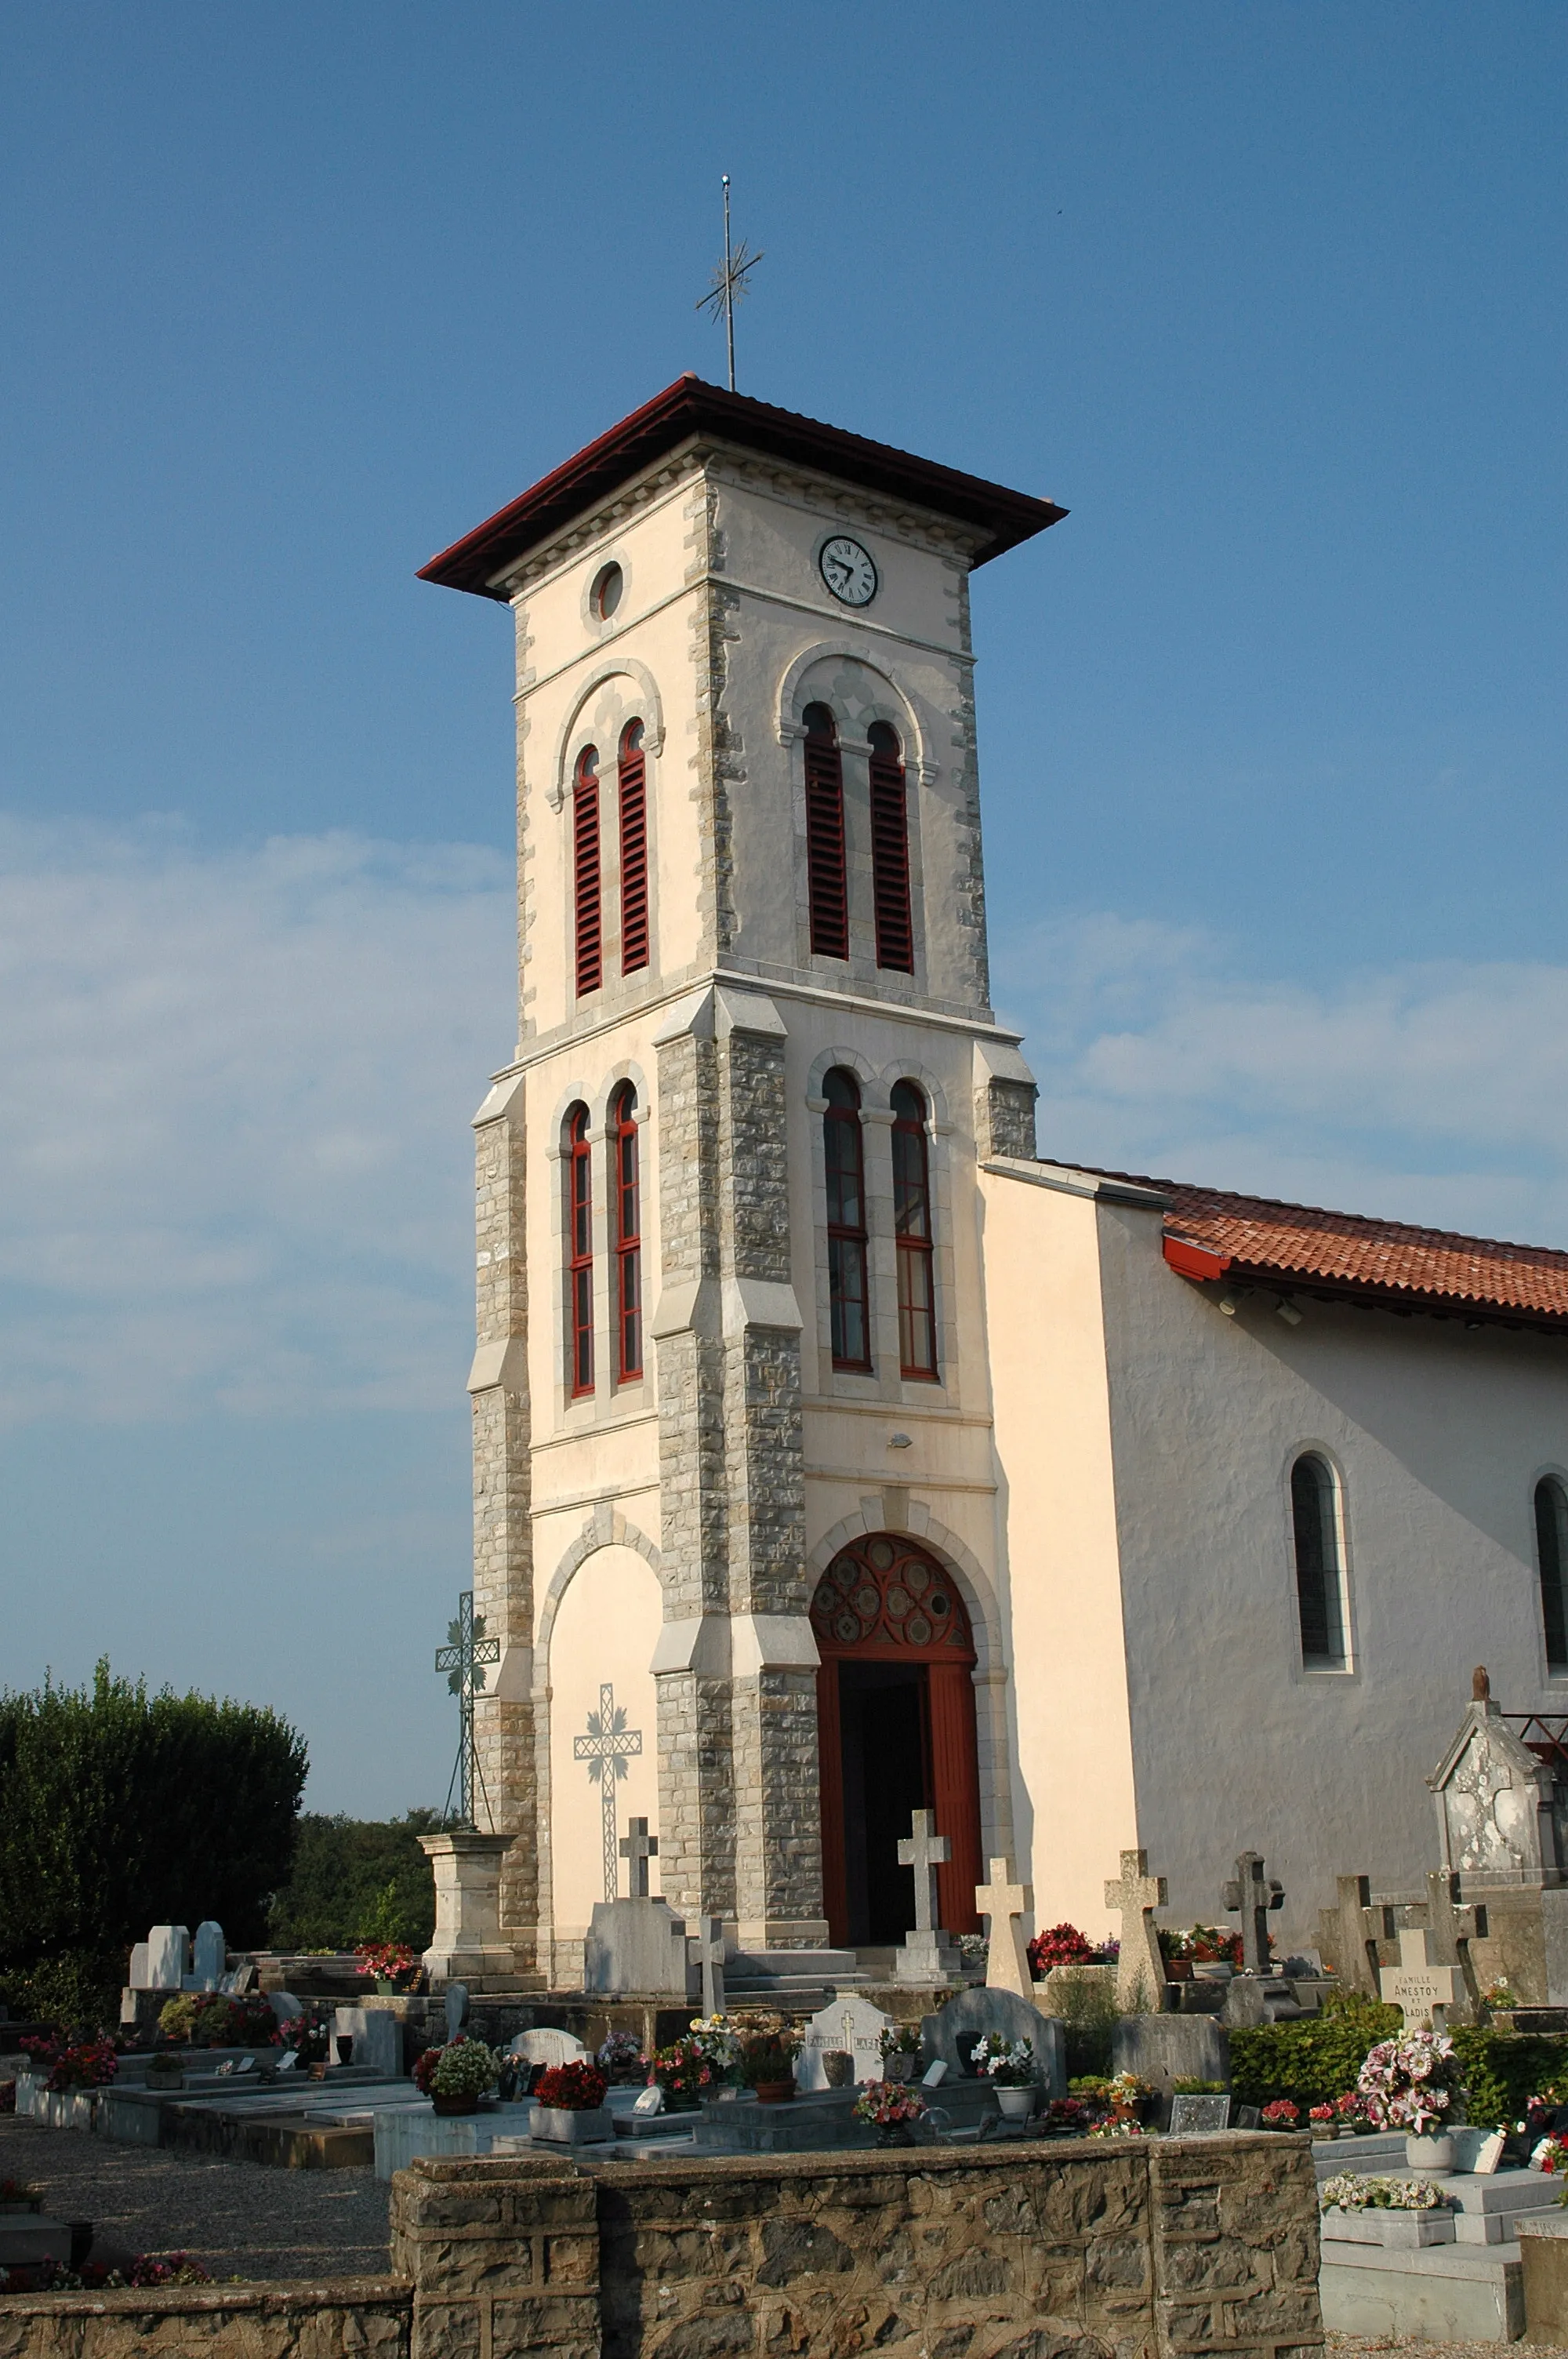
[
  {"x": 626, "y": 1205},
  {"x": 633, "y": 792},
  {"x": 848, "y": 1295},
  {"x": 911, "y": 1223},
  {"x": 1320, "y": 1576},
  {"x": 1551, "y": 1558},
  {"x": 577, "y": 1166}
]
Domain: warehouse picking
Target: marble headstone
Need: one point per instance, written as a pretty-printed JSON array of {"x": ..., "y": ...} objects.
[
  {"x": 284, "y": 2005},
  {"x": 168, "y": 1957},
  {"x": 547, "y": 2046},
  {"x": 377, "y": 2036},
  {"x": 848, "y": 2023},
  {"x": 636, "y": 1945},
  {"x": 457, "y": 2008},
  {"x": 952, "y": 2032},
  {"x": 139, "y": 1973},
  {"x": 209, "y": 1957}
]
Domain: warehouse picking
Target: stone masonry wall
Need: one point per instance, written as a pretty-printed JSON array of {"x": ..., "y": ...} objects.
[{"x": 351, "y": 2318}]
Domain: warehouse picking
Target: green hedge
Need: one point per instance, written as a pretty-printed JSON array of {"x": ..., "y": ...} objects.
[{"x": 1317, "y": 2059}]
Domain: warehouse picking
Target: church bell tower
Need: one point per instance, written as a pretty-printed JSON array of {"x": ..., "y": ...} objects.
[{"x": 732, "y": 1458}]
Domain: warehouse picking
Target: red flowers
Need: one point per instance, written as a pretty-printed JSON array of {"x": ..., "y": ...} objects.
[
  {"x": 90, "y": 2064},
  {"x": 572, "y": 2088},
  {"x": 1060, "y": 1945}
]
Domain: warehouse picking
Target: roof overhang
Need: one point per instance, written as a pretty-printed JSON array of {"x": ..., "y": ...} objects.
[
  {"x": 1203, "y": 1266},
  {"x": 691, "y": 411}
]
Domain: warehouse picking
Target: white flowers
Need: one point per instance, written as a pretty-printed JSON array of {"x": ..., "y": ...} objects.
[
  {"x": 1409, "y": 2083},
  {"x": 1350, "y": 2191}
]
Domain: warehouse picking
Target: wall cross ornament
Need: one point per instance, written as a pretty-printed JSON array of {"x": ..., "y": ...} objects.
[
  {"x": 463, "y": 1658},
  {"x": 606, "y": 1749}
]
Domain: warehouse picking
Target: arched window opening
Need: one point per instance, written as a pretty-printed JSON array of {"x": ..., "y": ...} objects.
[
  {"x": 1552, "y": 1555},
  {"x": 585, "y": 898},
  {"x": 911, "y": 1223},
  {"x": 578, "y": 1162},
  {"x": 824, "y": 876},
  {"x": 848, "y": 1306},
  {"x": 633, "y": 788},
  {"x": 1320, "y": 1586},
  {"x": 626, "y": 1196},
  {"x": 890, "y": 851}
]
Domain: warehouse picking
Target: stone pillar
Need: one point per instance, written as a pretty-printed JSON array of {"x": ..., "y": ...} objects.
[
  {"x": 469, "y": 1946},
  {"x": 1005, "y": 1092},
  {"x": 502, "y": 2256},
  {"x": 502, "y": 1552}
]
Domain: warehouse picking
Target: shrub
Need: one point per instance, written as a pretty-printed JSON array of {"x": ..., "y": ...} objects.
[
  {"x": 1313, "y": 2061},
  {"x": 1502, "y": 2070},
  {"x": 357, "y": 1880},
  {"x": 214, "y": 2019},
  {"x": 463, "y": 2068},
  {"x": 1087, "y": 2010}
]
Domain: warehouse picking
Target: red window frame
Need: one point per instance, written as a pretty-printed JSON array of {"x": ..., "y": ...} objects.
[
  {"x": 849, "y": 1289},
  {"x": 827, "y": 886},
  {"x": 625, "y": 1192},
  {"x": 579, "y": 1161},
  {"x": 633, "y": 796},
  {"x": 912, "y": 1228},
  {"x": 588, "y": 903},
  {"x": 890, "y": 851}
]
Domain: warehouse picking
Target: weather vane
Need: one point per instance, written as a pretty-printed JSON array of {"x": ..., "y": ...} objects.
[{"x": 729, "y": 283}]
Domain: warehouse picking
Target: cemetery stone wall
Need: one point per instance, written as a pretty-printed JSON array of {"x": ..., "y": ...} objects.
[{"x": 349, "y": 2318}]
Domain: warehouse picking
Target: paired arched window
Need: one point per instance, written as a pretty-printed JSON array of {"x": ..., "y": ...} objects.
[
  {"x": 1551, "y": 1558},
  {"x": 577, "y": 1164},
  {"x": 912, "y": 1223},
  {"x": 826, "y": 882},
  {"x": 588, "y": 867},
  {"x": 633, "y": 785},
  {"x": 1320, "y": 1571},
  {"x": 847, "y": 1294},
  {"x": 586, "y": 900},
  {"x": 890, "y": 851},
  {"x": 626, "y": 1204}
]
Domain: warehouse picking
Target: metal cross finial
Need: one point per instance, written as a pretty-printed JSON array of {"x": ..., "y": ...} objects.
[
  {"x": 605, "y": 1749},
  {"x": 729, "y": 283},
  {"x": 463, "y": 1657}
]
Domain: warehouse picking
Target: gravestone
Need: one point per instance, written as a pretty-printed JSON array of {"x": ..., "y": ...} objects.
[
  {"x": 168, "y": 1957},
  {"x": 1162, "y": 2048},
  {"x": 637, "y": 1848},
  {"x": 1423, "y": 1990},
  {"x": 546, "y": 2045},
  {"x": 138, "y": 1975},
  {"x": 284, "y": 2005},
  {"x": 1200, "y": 2117},
  {"x": 929, "y": 1954},
  {"x": 711, "y": 1962},
  {"x": 848, "y": 2023},
  {"x": 377, "y": 2036},
  {"x": 210, "y": 1956},
  {"x": 949, "y": 2035},
  {"x": 1002, "y": 1903},
  {"x": 457, "y": 2008},
  {"x": 1140, "y": 1968},
  {"x": 1250, "y": 1895},
  {"x": 636, "y": 1945}
]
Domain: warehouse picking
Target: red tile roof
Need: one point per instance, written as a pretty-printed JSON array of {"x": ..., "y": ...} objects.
[
  {"x": 1301, "y": 1248},
  {"x": 690, "y": 407}
]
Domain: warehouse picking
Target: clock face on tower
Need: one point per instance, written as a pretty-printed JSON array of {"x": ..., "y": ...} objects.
[{"x": 848, "y": 570}]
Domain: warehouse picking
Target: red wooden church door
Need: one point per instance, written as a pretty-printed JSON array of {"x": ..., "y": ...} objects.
[{"x": 896, "y": 1722}]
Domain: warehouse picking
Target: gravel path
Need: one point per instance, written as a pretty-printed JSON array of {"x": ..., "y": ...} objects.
[
  {"x": 1406, "y": 2346},
  {"x": 238, "y": 2219}
]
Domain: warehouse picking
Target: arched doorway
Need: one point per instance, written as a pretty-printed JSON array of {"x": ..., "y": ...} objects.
[{"x": 896, "y": 1721}]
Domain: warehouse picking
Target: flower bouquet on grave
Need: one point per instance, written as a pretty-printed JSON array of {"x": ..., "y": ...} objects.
[
  {"x": 1350, "y": 2191},
  {"x": 1282, "y": 2113},
  {"x": 1069, "y": 2118},
  {"x": 620, "y": 2058},
  {"x": 66, "y": 2066},
  {"x": 763, "y": 2061},
  {"x": 576, "y": 2088},
  {"x": 1550, "y": 2154},
  {"x": 1059, "y": 1945},
  {"x": 893, "y": 2108},
  {"x": 1127, "y": 2102},
  {"x": 457, "y": 2076},
  {"x": 1214, "y": 1945},
  {"x": 686, "y": 2072},
  {"x": 1350, "y": 2113},
  {"x": 898, "y": 2047},
  {"x": 390, "y": 1964},
  {"x": 306, "y": 2035},
  {"x": 1410, "y": 2084},
  {"x": 1006, "y": 2063},
  {"x": 1322, "y": 2120}
]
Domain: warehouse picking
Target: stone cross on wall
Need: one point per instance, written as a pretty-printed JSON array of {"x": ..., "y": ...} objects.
[
  {"x": 1424, "y": 1992},
  {"x": 1003, "y": 1902},
  {"x": 711, "y": 1940},
  {"x": 637, "y": 1848},
  {"x": 606, "y": 1748},
  {"x": 1251, "y": 1895},
  {"x": 925, "y": 1850},
  {"x": 1140, "y": 1970}
]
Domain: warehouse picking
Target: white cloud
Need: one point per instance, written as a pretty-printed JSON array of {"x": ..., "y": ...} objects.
[
  {"x": 1436, "y": 1091},
  {"x": 234, "y": 1092}
]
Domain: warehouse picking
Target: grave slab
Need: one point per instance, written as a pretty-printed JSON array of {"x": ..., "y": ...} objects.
[
  {"x": 1393, "y": 2231},
  {"x": 1450, "y": 2293},
  {"x": 545, "y": 2045},
  {"x": 637, "y": 1945},
  {"x": 404, "y": 2133},
  {"x": 377, "y": 2036},
  {"x": 1162, "y": 2048},
  {"x": 950, "y": 2035},
  {"x": 30, "y": 2238}
]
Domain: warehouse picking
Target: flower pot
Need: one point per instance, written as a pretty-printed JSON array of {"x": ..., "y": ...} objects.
[
  {"x": 772, "y": 2092},
  {"x": 894, "y": 2133},
  {"x": 1433, "y": 2157},
  {"x": 1017, "y": 2104},
  {"x": 838, "y": 2068},
  {"x": 385, "y": 1986},
  {"x": 1212, "y": 1970},
  {"x": 590, "y": 2125},
  {"x": 900, "y": 2067},
  {"x": 1178, "y": 1970},
  {"x": 468, "y": 2102}
]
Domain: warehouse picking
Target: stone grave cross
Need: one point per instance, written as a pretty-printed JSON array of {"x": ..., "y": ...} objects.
[
  {"x": 925, "y": 1850},
  {"x": 1140, "y": 1970},
  {"x": 1250, "y": 1895},
  {"x": 637, "y": 1848},
  {"x": 711, "y": 1939},
  {"x": 606, "y": 1749},
  {"x": 1424, "y": 1992},
  {"x": 1454, "y": 1926},
  {"x": 1003, "y": 1902}
]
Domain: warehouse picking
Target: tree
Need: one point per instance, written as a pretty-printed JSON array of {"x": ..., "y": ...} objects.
[
  {"x": 357, "y": 1880},
  {"x": 124, "y": 1811}
]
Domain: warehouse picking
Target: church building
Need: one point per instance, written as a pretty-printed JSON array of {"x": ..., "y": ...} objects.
[{"x": 840, "y": 1450}]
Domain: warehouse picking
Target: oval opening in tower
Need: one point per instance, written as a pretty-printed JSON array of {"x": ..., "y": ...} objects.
[{"x": 606, "y": 596}]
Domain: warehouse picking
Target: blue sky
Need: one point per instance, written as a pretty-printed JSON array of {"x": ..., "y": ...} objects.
[{"x": 1271, "y": 297}]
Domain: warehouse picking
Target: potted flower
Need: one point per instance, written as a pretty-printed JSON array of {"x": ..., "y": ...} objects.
[
  {"x": 764, "y": 2062},
  {"x": 1411, "y": 2083},
  {"x": 1176, "y": 1950},
  {"x": 1350, "y": 2113},
  {"x": 1322, "y": 2120},
  {"x": 1282, "y": 2113},
  {"x": 1069, "y": 2118},
  {"x": 1059, "y": 1945},
  {"x": 455, "y": 2077},
  {"x": 893, "y": 2108},
  {"x": 620, "y": 2058},
  {"x": 1009, "y": 2066},
  {"x": 569, "y": 2105},
  {"x": 390, "y": 1965},
  {"x": 687, "y": 2073},
  {"x": 900, "y": 2049}
]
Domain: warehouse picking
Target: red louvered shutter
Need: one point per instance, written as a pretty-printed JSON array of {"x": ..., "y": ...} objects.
[
  {"x": 585, "y": 859},
  {"x": 633, "y": 851},
  {"x": 825, "y": 837},
  {"x": 889, "y": 853}
]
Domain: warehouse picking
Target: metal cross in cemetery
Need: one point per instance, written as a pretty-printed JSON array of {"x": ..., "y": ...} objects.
[
  {"x": 1140, "y": 1970},
  {"x": 637, "y": 1848},
  {"x": 463, "y": 1658},
  {"x": 1250, "y": 1895},
  {"x": 925, "y": 1850},
  {"x": 606, "y": 1748}
]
